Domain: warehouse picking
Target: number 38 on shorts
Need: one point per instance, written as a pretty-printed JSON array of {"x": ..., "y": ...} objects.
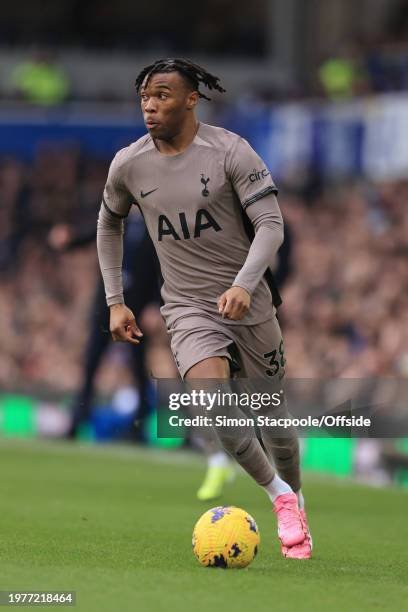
[{"x": 275, "y": 360}]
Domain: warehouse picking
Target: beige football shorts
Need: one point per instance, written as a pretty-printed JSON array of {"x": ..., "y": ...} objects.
[{"x": 254, "y": 351}]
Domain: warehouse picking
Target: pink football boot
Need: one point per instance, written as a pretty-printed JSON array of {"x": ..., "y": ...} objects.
[
  {"x": 303, "y": 550},
  {"x": 290, "y": 527}
]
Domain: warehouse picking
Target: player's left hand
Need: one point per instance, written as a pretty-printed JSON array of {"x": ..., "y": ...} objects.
[{"x": 234, "y": 303}]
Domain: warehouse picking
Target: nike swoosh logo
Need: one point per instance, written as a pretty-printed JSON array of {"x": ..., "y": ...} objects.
[{"x": 143, "y": 195}]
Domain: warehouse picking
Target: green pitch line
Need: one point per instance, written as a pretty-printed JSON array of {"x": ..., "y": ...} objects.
[{"x": 114, "y": 524}]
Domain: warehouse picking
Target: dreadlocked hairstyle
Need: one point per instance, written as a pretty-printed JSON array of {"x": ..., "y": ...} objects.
[{"x": 192, "y": 72}]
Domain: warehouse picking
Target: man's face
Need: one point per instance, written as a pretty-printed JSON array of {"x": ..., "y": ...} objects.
[{"x": 166, "y": 100}]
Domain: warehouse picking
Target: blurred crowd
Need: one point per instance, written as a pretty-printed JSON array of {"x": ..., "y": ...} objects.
[
  {"x": 43, "y": 295},
  {"x": 345, "y": 309},
  {"x": 351, "y": 63},
  {"x": 139, "y": 26}
]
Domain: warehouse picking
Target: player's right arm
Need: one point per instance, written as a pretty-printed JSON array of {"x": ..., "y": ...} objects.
[{"x": 116, "y": 203}]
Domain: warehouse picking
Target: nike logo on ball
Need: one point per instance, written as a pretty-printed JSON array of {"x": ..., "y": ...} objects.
[{"x": 143, "y": 195}]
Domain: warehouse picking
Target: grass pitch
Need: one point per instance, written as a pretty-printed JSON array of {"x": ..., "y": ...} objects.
[{"x": 114, "y": 524}]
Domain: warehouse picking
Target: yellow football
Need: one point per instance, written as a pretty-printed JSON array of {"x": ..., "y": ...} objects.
[{"x": 226, "y": 537}]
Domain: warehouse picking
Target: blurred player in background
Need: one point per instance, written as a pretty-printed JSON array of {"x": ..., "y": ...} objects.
[
  {"x": 141, "y": 290},
  {"x": 205, "y": 194}
]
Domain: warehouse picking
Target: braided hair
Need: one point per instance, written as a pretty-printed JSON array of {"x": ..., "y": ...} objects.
[{"x": 194, "y": 73}]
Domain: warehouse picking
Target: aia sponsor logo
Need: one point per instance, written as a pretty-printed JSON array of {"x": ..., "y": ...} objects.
[{"x": 179, "y": 229}]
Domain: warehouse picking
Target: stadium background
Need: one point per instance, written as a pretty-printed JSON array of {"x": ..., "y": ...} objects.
[{"x": 319, "y": 88}]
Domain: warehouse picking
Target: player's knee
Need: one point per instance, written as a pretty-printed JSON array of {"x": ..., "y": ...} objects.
[{"x": 212, "y": 367}]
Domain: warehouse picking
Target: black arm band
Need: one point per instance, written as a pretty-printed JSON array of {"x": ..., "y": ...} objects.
[
  {"x": 114, "y": 214},
  {"x": 259, "y": 195}
]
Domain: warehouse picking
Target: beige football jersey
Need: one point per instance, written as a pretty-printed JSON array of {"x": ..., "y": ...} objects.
[{"x": 192, "y": 204}]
